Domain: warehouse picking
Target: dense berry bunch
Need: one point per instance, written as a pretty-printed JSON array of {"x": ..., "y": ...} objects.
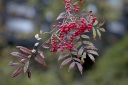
[{"x": 71, "y": 27}]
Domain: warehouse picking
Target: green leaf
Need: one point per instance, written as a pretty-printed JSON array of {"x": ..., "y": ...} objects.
[
  {"x": 85, "y": 36},
  {"x": 99, "y": 34},
  {"x": 95, "y": 23},
  {"x": 94, "y": 33},
  {"x": 88, "y": 43},
  {"x": 92, "y": 52},
  {"x": 78, "y": 44},
  {"x": 80, "y": 51},
  {"x": 91, "y": 57},
  {"x": 102, "y": 29},
  {"x": 92, "y": 47},
  {"x": 26, "y": 66},
  {"x": 84, "y": 55}
]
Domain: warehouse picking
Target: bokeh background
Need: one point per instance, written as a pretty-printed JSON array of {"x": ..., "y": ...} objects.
[{"x": 20, "y": 20}]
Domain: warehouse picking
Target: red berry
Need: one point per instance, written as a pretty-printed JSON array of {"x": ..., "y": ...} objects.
[
  {"x": 74, "y": 5},
  {"x": 60, "y": 23},
  {"x": 76, "y": 10},
  {"x": 54, "y": 26}
]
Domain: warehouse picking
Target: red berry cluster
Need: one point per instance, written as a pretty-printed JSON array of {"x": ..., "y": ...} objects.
[
  {"x": 71, "y": 28},
  {"x": 53, "y": 44},
  {"x": 82, "y": 26},
  {"x": 71, "y": 8},
  {"x": 64, "y": 28}
]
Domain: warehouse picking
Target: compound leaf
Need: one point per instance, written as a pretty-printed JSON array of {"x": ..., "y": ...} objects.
[{"x": 94, "y": 33}]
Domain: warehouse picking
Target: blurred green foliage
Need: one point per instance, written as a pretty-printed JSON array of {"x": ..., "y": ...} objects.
[{"x": 109, "y": 69}]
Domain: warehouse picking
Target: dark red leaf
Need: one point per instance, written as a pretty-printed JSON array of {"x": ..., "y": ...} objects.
[
  {"x": 71, "y": 66},
  {"x": 80, "y": 67},
  {"x": 58, "y": 50},
  {"x": 40, "y": 60},
  {"x": 74, "y": 53},
  {"x": 16, "y": 72},
  {"x": 75, "y": 49},
  {"x": 63, "y": 56},
  {"x": 24, "y": 49},
  {"x": 19, "y": 55},
  {"x": 15, "y": 64},
  {"x": 77, "y": 59},
  {"x": 66, "y": 61},
  {"x": 41, "y": 53}
]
